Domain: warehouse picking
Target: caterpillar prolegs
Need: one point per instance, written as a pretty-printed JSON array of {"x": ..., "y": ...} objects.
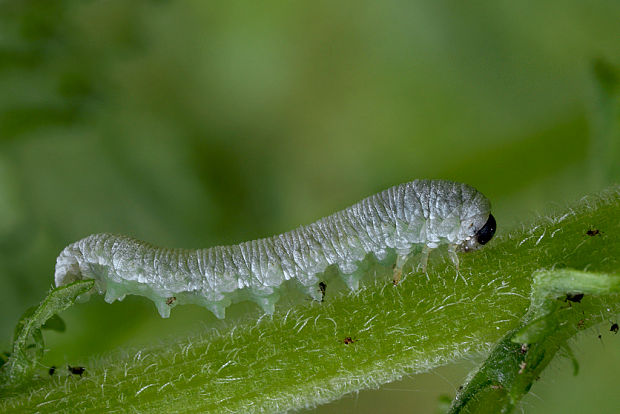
[{"x": 422, "y": 214}]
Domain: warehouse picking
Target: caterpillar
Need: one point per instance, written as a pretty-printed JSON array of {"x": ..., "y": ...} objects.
[{"x": 414, "y": 216}]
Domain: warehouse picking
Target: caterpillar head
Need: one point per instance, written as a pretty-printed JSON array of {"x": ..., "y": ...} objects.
[{"x": 481, "y": 235}]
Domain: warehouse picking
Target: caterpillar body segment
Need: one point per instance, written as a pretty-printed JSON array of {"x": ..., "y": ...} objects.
[{"x": 414, "y": 216}]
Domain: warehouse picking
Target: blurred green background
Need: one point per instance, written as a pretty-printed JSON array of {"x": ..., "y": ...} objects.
[{"x": 192, "y": 123}]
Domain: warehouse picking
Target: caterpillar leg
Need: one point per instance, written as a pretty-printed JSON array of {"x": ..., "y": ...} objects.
[
  {"x": 266, "y": 298},
  {"x": 163, "y": 308},
  {"x": 315, "y": 292},
  {"x": 455, "y": 259},
  {"x": 453, "y": 256},
  {"x": 398, "y": 269},
  {"x": 114, "y": 292},
  {"x": 218, "y": 308},
  {"x": 424, "y": 258},
  {"x": 352, "y": 280},
  {"x": 267, "y": 303}
]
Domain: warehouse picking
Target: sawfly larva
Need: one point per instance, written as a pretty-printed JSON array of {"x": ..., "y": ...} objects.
[{"x": 418, "y": 215}]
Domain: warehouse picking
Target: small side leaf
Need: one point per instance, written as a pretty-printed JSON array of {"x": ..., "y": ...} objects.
[
  {"x": 519, "y": 358},
  {"x": 22, "y": 361}
]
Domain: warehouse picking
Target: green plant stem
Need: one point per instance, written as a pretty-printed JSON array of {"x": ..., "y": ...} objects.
[
  {"x": 299, "y": 356},
  {"x": 555, "y": 315}
]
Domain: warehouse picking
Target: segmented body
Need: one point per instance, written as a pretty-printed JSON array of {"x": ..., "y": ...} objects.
[{"x": 421, "y": 212}]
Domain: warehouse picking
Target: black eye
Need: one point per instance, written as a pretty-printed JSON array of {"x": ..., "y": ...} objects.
[{"x": 487, "y": 231}]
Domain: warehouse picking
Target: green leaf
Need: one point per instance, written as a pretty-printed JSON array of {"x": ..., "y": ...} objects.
[
  {"x": 521, "y": 356},
  {"x": 21, "y": 362}
]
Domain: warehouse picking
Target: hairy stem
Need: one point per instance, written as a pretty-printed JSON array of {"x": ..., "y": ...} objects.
[
  {"x": 560, "y": 302},
  {"x": 316, "y": 352}
]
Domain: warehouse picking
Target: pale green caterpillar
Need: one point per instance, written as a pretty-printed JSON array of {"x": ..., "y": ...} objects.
[{"x": 421, "y": 213}]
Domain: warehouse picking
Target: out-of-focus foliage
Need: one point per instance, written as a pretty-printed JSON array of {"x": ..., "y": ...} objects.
[{"x": 193, "y": 124}]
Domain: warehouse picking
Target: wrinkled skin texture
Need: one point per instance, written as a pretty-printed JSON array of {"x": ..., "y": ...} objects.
[{"x": 424, "y": 213}]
